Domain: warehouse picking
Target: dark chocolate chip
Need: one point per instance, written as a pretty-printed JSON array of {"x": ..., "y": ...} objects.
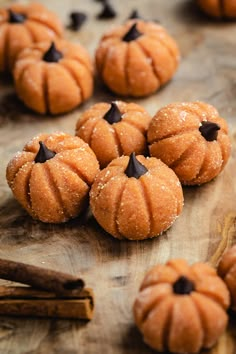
[
  {"x": 209, "y": 130},
  {"x": 15, "y": 17},
  {"x": 107, "y": 12},
  {"x": 183, "y": 286},
  {"x": 134, "y": 14},
  {"x": 132, "y": 34},
  {"x": 113, "y": 115},
  {"x": 77, "y": 19},
  {"x": 44, "y": 153},
  {"x": 52, "y": 55},
  {"x": 135, "y": 168}
]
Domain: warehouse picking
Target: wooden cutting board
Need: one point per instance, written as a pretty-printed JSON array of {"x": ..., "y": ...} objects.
[{"x": 114, "y": 269}]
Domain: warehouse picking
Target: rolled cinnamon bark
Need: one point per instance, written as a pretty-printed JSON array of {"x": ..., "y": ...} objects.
[
  {"x": 25, "y": 301},
  {"x": 39, "y": 278}
]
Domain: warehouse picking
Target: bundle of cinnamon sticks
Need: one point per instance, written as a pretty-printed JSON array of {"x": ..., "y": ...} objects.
[{"x": 49, "y": 293}]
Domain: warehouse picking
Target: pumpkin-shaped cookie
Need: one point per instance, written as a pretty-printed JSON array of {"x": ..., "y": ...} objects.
[
  {"x": 53, "y": 77},
  {"x": 51, "y": 177},
  {"x": 137, "y": 58},
  {"x": 218, "y": 8},
  {"x": 181, "y": 308},
  {"x": 113, "y": 130},
  {"x": 227, "y": 271},
  {"x": 20, "y": 26},
  {"x": 192, "y": 139},
  {"x": 136, "y": 197}
]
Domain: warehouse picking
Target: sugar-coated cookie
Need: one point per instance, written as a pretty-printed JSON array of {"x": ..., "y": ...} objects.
[
  {"x": 51, "y": 177},
  {"x": 137, "y": 58},
  {"x": 227, "y": 270},
  {"x": 192, "y": 139},
  {"x": 136, "y": 197},
  {"x": 114, "y": 129},
  {"x": 20, "y": 26},
  {"x": 54, "y": 77},
  {"x": 218, "y": 8},
  {"x": 181, "y": 308}
]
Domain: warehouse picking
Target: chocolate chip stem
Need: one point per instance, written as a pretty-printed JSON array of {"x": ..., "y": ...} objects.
[
  {"x": 77, "y": 19},
  {"x": 135, "y": 168},
  {"x": 209, "y": 130},
  {"x": 52, "y": 55},
  {"x": 15, "y": 17},
  {"x": 113, "y": 115},
  {"x": 132, "y": 34},
  {"x": 183, "y": 286},
  {"x": 107, "y": 11},
  {"x": 134, "y": 14},
  {"x": 44, "y": 153}
]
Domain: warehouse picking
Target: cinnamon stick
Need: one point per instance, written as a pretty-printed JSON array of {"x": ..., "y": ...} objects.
[
  {"x": 25, "y": 301},
  {"x": 39, "y": 278}
]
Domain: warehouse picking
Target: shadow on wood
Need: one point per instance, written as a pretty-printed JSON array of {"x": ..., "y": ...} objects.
[
  {"x": 11, "y": 108},
  {"x": 133, "y": 342}
]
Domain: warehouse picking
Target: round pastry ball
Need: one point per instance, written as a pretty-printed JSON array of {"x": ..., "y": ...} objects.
[
  {"x": 137, "y": 58},
  {"x": 181, "y": 308},
  {"x": 20, "y": 26},
  {"x": 227, "y": 271},
  {"x": 136, "y": 197},
  {"x": 51, "y": 177},
  {"x": 192, "y": 139},
  {"x": 218, "y": 8},
  {"x": 53, "y": 77},
  {"x": 114, "y": 129}
]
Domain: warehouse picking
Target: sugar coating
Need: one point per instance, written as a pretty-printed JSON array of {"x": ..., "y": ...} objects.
[
  {"x": 137, "y": 68},
  {"x": 56, "y": 190},
  {"x": 109, "y": 141},
  {"x": 181, "y": 323},
  {"x": 133, "y": 208},
  {"x": 174, "y": 137}
]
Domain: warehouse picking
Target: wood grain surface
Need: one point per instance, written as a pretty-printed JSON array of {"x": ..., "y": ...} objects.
[{"x": 114, "y": 269}]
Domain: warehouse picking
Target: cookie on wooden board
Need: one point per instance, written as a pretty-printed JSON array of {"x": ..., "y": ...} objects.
[
  {"x": 192, "y": 139},
  {"x": 53, "y": 77},
  {"x": 52, "y": 176},
  {"x": 218, "y": 8},
  {"x": 227, "y": 271},
  {"x": 137, "y": 58},
  {"x": 181, "y": 308},
  {"x": 136, "y": 198},
  {"x": 114, "y": 129},
  {"x": 20, "y": 26}
]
